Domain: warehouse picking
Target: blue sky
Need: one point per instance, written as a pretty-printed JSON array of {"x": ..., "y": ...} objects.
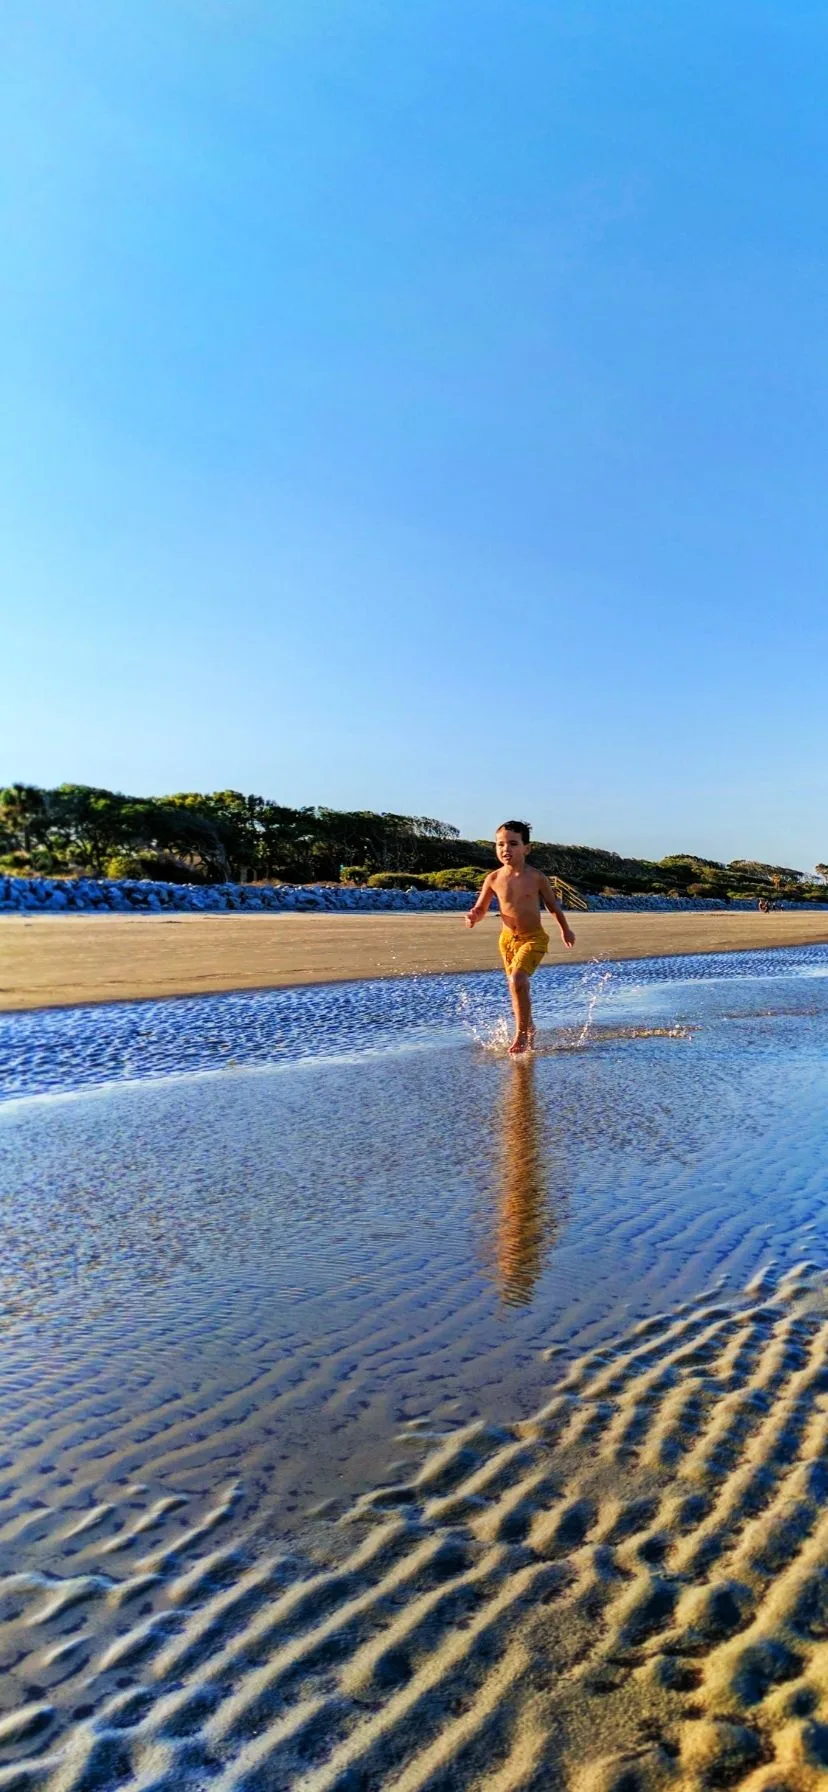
[{"x": 422, "y": 407}]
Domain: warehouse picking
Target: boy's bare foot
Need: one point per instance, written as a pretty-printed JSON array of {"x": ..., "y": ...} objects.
[{"x": 522, "y": 1042}]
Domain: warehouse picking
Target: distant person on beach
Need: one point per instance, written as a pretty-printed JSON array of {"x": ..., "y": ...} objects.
[{"x": 520, "y": 890}]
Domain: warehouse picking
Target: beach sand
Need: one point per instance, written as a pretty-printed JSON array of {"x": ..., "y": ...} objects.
[
  {"x": 53, "y": 961},
  {"x": 625, "y": 1592},
  {"x": 427, "y": 1422}
]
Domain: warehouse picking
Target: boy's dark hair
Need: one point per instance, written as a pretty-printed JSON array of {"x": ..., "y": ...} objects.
[{"x": 517, "y": 827}]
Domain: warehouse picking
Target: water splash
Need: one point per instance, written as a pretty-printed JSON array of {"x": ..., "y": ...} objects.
[
  {"x": 596, "y": 980},
  {"x": 491, "y": 1033},
  {"x": 468, "y": 1013},
  {"x": 497, "y": 1036}
]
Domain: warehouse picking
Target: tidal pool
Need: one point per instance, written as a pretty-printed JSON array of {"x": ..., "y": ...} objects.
[
  {"x": 377, "y": 1410},
  {"x": 268, "y": 1231}
]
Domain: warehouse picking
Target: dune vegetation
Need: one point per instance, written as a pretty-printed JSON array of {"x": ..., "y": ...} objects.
[{"x": 76, "y": 829}]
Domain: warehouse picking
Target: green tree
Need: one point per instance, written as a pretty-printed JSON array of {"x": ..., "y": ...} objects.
[
  {"x": 156, "y": 827},
  {"x": 86, "y": 823},
  {"x": 23, "y": 818}
]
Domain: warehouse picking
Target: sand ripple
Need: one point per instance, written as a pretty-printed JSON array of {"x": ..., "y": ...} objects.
[
  {"x": 629, "y": 1589},
  {"x": 511, "y": 1334}
]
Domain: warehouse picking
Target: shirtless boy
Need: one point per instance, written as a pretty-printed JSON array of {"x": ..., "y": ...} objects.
[{"x": 519, "y": 889}]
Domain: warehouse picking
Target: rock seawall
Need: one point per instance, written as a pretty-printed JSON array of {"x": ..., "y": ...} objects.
[{"x": 88, "y": 895}]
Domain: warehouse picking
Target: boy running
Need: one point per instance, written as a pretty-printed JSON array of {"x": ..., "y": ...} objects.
[{"x": 519, "y": 889}]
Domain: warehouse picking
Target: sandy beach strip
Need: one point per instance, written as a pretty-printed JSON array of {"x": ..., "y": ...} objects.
[{"x": 57, "y": 961}]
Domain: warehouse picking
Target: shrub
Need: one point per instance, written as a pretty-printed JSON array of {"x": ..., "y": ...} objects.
[
  {"x": 157, "y": 866},
  {"x": 468, "y": 877},
  {"x": 124, "y": 864},
  {"x": 399, "y": 880},
  {"x": 717, "y": 892},
  {"x": 354, "y": 874},
  {"x": 689, "y": 862}
]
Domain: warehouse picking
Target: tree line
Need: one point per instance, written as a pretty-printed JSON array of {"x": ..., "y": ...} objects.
[
  {"x": 221, "y": 836},
  {"x": 227, "y": 836}
]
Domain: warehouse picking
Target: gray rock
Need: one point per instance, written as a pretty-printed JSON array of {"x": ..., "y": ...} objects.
[{"x": 86, "y": 894}]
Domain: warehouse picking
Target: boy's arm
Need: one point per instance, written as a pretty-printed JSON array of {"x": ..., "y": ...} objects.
[
  {"x": 476, "y": 913},
  {"x": 554, "y": 907}
]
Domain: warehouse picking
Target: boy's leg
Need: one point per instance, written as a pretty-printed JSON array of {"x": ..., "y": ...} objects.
[
  {"x": 508, "y": 952},
  {"x": 519, "y": 965},
  {"x": 522, "y": 1010}
]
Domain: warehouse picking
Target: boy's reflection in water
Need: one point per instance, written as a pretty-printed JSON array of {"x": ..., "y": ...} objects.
[{"x": 525, "y": 1223}]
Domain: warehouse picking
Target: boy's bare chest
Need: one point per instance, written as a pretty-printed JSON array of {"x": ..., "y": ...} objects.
[{"x": 517, "y": 892}]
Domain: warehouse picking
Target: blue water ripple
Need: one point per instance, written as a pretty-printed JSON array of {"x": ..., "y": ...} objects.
[{"x": 53, "y": 1050}]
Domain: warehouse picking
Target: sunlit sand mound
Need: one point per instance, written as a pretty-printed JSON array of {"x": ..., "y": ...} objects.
[{"x": 627, "y": 1591}]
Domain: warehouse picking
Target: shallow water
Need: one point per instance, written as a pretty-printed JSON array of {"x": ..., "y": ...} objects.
[
  {"x": 374, "y": 1217},
  {"x": 72, "y": 1048},
  {"x": 269, "y": 1517}
]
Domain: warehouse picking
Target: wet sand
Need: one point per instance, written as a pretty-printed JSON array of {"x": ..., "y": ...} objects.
[
  {"x": 54, "y": 961},
  {"x": 426, "y": 1424},
  {"x": 625, "y": 1592}
]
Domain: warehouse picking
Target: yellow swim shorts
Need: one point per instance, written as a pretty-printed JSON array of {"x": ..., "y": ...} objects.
[{"x": 522, "y": 951}]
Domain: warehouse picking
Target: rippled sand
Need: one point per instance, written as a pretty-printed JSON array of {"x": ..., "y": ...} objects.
[{"x": 406, "y": 1417}]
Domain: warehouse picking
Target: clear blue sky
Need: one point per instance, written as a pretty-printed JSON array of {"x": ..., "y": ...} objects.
[{"x": 422, "y": 406}]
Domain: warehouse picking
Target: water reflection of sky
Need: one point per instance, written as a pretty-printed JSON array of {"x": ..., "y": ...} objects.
[
  {"x": 402, "y": 1232},
  {"x": 274, "y": 1171}
]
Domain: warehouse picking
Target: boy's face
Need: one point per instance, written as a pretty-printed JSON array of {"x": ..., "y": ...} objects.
[{"x": 510, "y": 848}]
